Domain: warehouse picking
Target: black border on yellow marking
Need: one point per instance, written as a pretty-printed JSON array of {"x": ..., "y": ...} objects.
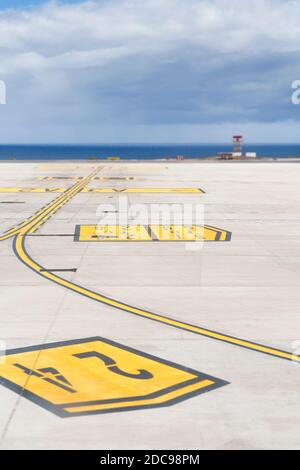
[
  {"x": 168, "y": 321},
  {"x": 77, "y": 233},
  {"x": 218, "y": 231},
  {"x": 59, "y": 410},
  {"x": 152, "y": 234}
]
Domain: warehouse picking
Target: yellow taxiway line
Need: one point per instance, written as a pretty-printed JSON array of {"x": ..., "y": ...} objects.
[{"x": 43, "y": 213}]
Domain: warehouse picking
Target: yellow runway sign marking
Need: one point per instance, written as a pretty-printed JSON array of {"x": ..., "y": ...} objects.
[
  {"x": 96, "y": 375},
  {"x": 148, "y": 233},
  {"x": 32, "y": 224}
]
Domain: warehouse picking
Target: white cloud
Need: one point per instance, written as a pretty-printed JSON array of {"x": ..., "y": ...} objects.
[{"x": 160, "y": 63}]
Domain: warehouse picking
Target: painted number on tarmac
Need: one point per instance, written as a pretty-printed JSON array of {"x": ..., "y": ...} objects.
[{"x": 96, "y": 375}]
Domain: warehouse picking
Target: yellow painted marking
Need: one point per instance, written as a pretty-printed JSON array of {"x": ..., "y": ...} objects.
[
  {"x": 164, "y": 190},
  {"x": 32, "y": 190},
  {"x": 51, "y": 178},
  {"x": 104, "y": 190},
  {"x": 114, "y": 178},
  {"x": 102, "y": 178},
  {"x": 159, "y": 401},
  {"x": 114, "y": 233},
  {"x": 117, "y": 233},
  {"x": 20, "y": 249},
  {"x": 42, "y": 215},
  {"x": 99, "y": 375},
  {"x": 187, "y": 233},
  {"x": 145, "y": 190}
]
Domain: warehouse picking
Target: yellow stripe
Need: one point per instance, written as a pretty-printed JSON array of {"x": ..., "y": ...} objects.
[{"x": 163, "y": 399}]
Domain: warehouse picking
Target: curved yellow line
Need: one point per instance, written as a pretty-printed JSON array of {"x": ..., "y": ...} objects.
[{"x": 21, "y": 252}]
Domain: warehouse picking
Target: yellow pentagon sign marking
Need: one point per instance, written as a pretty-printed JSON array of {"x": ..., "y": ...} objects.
[
  {"x": 148, "y": 233},
  {"x": 95, "y": 375}
]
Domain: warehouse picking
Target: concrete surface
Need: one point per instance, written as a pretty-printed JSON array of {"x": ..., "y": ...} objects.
[{"x": 246, "y": 288}]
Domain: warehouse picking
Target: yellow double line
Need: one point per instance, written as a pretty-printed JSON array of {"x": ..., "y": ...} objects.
[{"x": 46, "y": 212}]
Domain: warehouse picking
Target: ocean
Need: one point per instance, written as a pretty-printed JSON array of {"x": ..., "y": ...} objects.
[{"x": 137, "y": 152}]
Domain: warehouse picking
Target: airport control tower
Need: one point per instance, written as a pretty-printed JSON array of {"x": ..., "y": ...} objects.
[{"x": 237, "y": 145}]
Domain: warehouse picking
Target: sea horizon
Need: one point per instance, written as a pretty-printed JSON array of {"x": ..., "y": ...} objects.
[{"x": 138, "y": 151}]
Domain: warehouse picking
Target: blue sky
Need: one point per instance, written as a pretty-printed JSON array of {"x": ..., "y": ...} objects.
[{"x": 149, "y": 71}]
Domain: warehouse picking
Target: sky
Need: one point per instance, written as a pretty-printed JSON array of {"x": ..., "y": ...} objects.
[{"x": 149, "y": 71}]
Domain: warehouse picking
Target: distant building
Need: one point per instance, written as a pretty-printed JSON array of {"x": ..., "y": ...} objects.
[{"x": 237, "y": 153}]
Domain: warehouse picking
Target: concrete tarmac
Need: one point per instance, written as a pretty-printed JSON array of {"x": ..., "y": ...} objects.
[{"x": 152, "y": 343}]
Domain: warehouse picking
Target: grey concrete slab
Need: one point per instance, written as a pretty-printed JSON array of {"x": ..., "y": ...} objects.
[{"x": 246, "y": 288}]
